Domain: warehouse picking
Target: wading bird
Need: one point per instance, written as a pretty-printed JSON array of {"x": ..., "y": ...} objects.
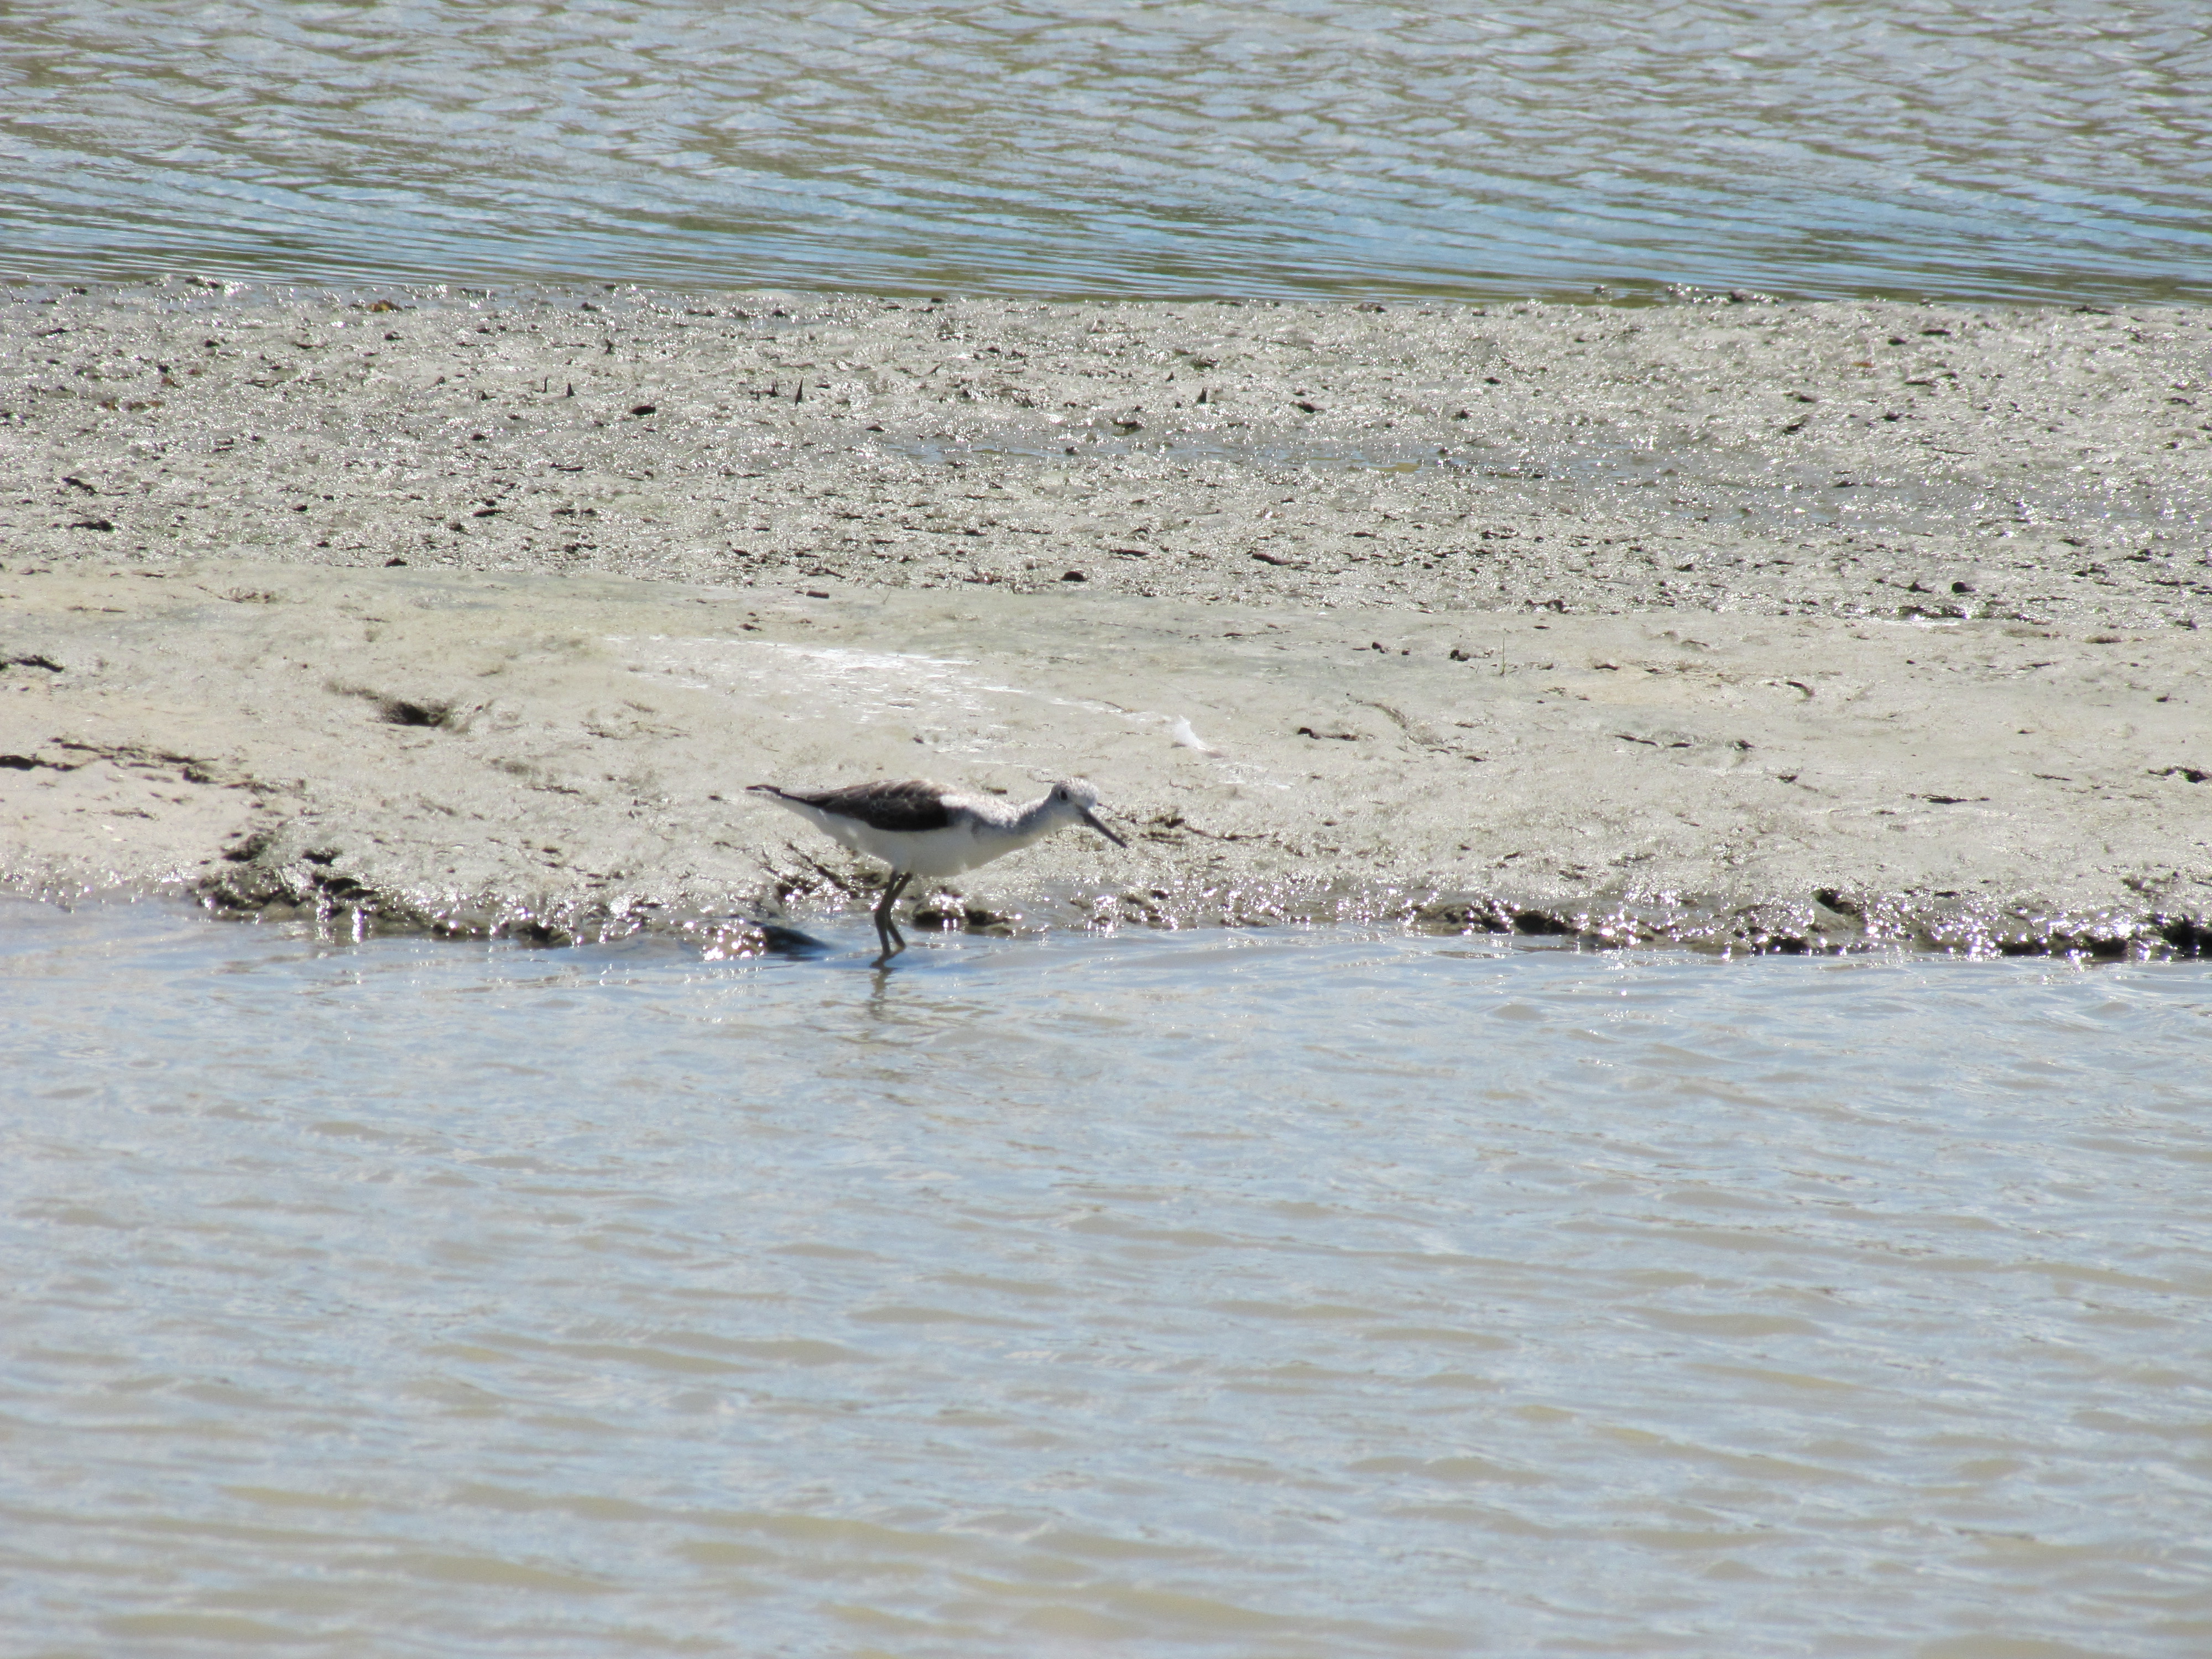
[{"x": 922, "y": 828}]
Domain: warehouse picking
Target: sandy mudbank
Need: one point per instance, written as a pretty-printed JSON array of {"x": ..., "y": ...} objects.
[
  {"x": 471, "y": 753},
  {"x": 1789, "y": 626}
]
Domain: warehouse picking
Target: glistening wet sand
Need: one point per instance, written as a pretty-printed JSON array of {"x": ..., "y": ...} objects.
[{"x": 1779, "y": 625}]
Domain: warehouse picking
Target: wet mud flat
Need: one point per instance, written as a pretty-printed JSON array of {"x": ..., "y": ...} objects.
[{"x": 1775, "y": 626}]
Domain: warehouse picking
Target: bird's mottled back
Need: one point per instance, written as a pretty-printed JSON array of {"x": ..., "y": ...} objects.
[{"x": 911, "y": 806}]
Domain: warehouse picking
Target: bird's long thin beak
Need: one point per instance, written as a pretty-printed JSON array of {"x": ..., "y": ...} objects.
[{"x": 1090, "y": 819}]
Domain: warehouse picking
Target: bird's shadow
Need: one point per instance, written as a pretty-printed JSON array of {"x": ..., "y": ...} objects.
[{"x": 777, "y": 940}]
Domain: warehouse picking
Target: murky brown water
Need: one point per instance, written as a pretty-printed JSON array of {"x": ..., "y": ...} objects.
[
  {"x": 1256, "y": 1295},
  {"x": 2048, "y": 149}
]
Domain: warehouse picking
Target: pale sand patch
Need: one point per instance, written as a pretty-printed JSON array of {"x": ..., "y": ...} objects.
[{"x": 455, "y": 750}]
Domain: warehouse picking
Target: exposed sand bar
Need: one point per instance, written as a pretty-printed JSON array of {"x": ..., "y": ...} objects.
[{"x": 1478, "y": 619}]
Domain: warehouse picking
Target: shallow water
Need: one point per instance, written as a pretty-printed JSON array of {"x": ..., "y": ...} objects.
[
  {"x": 2047, "y": 149},
  {"x": 1269, "y": 1293}
]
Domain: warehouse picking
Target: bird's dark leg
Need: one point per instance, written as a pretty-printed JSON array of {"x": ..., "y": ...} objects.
[{"x": 887, "y": 931}]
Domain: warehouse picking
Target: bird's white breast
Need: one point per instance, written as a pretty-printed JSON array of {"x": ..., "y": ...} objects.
[{"x": 928, "y": 853}]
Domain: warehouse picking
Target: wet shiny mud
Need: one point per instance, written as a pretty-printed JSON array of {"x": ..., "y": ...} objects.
[{"x": 1283, "y": 1292}]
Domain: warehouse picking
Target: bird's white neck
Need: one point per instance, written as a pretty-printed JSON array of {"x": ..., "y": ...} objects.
[{"x": 1031, "y": 821}]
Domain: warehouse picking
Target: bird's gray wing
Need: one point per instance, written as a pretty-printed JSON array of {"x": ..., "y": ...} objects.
[{"x": 914, "y": 805}]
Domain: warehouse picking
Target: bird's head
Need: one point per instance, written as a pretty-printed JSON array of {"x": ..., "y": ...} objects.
[{"x": 1075, "y": 801}]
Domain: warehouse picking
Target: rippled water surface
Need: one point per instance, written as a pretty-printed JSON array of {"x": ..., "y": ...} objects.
[
  {"x": 2049, "y": 148},
  {"x": 1258, "y": 1294}
]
